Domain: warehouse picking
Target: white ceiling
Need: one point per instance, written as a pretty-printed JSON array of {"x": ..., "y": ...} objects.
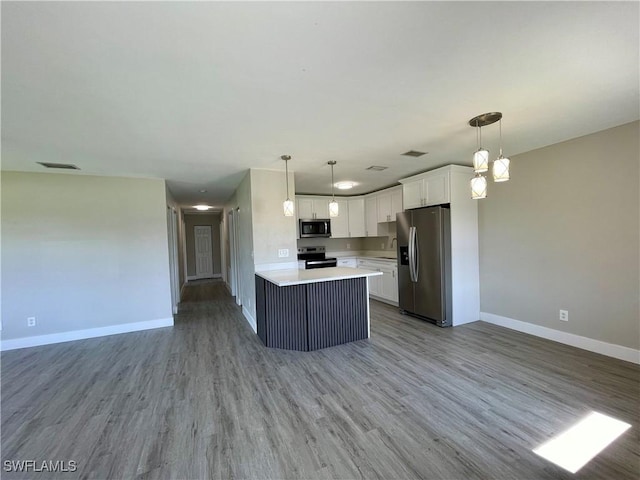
[{"x": 197, "y": 93}]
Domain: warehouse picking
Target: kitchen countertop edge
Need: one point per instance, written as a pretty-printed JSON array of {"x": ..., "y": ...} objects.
[{"x": 285, "y": 278}]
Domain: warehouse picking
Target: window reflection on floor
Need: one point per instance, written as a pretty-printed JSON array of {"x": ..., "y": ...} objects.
[{"x": 573, "y": 448}]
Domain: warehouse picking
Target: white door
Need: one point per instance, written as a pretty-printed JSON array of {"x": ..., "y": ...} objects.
[
  {"x": 340, "y": 224},
  {"x": 204, "y": 252},
  {"x": 371, "y": 216},
  {"x": 233, "y": 273},
  {"x": 412, "y": 195}
]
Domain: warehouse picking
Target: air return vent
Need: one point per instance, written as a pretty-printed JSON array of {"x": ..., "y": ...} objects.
[
  {"x": 376, "y": 168},
  {"x": 414, "y": 153},
  {"x": 63, "y": 166}
]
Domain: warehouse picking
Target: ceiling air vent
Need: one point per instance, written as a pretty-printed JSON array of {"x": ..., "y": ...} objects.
[
  {"x": 414, "y": 153},
  {"x": 376, "y": 168},
  {"x": 63, "y": 166}
]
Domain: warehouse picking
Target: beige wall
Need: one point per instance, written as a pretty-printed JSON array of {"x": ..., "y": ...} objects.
[
  {"x": 271, "y": 229},
  {"x": 82, "y": 252},
  {"x": 208, "y": 219},
  {"x": 564, "y": 234}
]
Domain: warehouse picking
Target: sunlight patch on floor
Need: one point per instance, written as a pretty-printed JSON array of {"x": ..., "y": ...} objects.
[{"x": 573, "y": 448}]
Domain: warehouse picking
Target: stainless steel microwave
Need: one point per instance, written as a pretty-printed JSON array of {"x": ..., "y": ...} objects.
[{"x": 315, "y": 228}]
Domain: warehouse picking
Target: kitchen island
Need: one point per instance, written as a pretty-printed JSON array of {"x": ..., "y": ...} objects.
[{"x": 312, "y": 309}]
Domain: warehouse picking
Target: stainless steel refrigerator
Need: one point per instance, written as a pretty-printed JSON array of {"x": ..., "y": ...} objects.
[{"x": 424, "y": 263}]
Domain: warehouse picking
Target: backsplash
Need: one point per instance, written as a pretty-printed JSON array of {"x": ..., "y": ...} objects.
[
  {"x": 334, "y": 244},
  {"x": 385, "y": 243}
]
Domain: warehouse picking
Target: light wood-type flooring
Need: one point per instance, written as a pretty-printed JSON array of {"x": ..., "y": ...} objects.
[{"x": 205, "y": 399}]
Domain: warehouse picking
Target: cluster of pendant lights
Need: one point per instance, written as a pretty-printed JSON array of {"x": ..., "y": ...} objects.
[
  {"x": 481, "y": 157},
  {"x": 480, "y": 165},
  {"x": 287, "y": 205}
]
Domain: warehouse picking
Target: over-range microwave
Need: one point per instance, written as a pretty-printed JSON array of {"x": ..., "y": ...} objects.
[{"x": 315, "y": 228}]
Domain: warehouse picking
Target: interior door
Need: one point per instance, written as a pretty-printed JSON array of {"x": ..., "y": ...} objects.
[
  {"x": 429, "y": 299},
  {"x": 204, "y": 252}
]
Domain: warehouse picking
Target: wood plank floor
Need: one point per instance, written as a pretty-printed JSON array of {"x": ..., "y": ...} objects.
[{"x": 205, "y": 399}]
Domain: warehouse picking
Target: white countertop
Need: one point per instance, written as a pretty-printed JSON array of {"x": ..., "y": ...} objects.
[{"x": 284, "y": 278}]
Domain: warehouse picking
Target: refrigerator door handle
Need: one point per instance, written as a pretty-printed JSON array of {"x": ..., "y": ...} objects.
[
  {"x": 411, "y": 254},
  {"x": 416, "y": 254}
]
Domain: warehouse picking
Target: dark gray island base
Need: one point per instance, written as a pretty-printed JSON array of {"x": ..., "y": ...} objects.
[{"x": 310, "y": 313}]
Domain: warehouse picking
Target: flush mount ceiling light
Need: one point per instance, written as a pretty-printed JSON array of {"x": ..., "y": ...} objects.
[
  {"x": 345, "y": 185},
  {"x": 481, "y": 157},
  {"x": 202, "y": 208},
  {"x": 334, "y": 209},
  {"x": 287, "y": 205}
]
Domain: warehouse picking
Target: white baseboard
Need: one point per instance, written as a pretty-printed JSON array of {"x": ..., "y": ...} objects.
[
  {"x": 36, "y": 341},
  {"x": 597, "y": 346},
  {"x": 250, "y": 319}
]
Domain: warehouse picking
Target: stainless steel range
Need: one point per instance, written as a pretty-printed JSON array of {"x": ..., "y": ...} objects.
[{"x": 314, "y": 257}]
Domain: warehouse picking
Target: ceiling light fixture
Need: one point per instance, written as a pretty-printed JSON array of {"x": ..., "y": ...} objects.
[
  {"x": 202, "y": 208},
  {"x": 481, "y": 157},
  {"x": 334, "y": 209},
  {"x": 501, "y": 164},
  {"x": 287, "y": 205},
  {"x": 345, "y": 185}
]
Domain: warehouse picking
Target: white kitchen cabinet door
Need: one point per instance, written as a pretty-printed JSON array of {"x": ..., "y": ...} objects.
[
  {"x": 389, "y": 284},
  {"x": 396, "y": 203},
  {"x": 357, "y": 224},
  {"x": 371, "y": 216},
  {"x": 384, "y": 207},
  {"x": 305, "y": 208},
  {"x": 437, "y": 188},
  {"x": 412, "y": 194},
  {"x": 347, "y": 262},
  {"x": 321, "y": 207},
  {"x": 340, "y": 224},
  {"x": 375, "y": 285}
]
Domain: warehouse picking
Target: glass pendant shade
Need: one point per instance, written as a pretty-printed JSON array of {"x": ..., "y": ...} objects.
[
  {"x": 501, "y": 169},
  {"x": 287, "y": 206},
  {"x": 334, "y": 209},
  {"x": 481, "y": 161},
  {"x": 478, "y": 187}
]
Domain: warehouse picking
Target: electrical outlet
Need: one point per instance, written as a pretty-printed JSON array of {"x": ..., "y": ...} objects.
[
  {"x": 382, "y": 246},
  {"x": 283, "y": 252},
  {"x": 31, "y": 321},
  {"x": 348, "y": 246},
  {"x": 564, "y": 315}
]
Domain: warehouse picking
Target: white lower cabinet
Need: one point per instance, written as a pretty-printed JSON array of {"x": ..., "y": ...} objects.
[
  {"x": 347, "y": 262},
  {"x": 382, "y": 287}
]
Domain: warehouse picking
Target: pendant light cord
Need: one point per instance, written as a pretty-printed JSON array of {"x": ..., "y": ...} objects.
[
  {"x": 500, "y": 127},
  {"x": 333, "y": 196},
  {"x": 286, "y": 170}
]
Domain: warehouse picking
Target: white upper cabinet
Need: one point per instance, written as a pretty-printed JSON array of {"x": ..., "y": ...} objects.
[
  {"x": 430, "y": 188},
  {"x": 313, "y": 207},
  {"x": 371, "y": 215},
  {"x": 384, "y": 207},
  {"x": 396, "y": 202},
  {"x": 389, "y": 203},
  {"x": 340, "y": 224},
  {"x": 357, "y": 225}
]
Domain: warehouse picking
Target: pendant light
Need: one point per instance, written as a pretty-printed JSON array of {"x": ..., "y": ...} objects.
[
  {"x": 334, "y": 209},
  {"x": 287, "y": 205},
  {"x": 478, "y": 187},
  {"x": 501, "y": 164},
  {"x": 481, "y": 156}
]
